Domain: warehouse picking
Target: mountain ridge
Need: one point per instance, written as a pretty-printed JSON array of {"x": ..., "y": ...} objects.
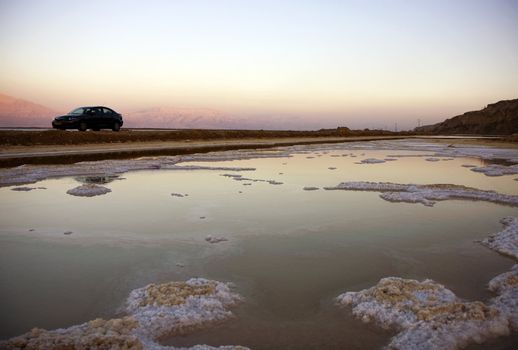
[{"x": 499, "y": 118}]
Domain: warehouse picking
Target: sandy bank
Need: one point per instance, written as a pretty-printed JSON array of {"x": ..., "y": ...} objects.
[{"x": 14, "y": 155}]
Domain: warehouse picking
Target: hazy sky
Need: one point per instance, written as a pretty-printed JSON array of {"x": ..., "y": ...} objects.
[{"x": 355, "y": 63}]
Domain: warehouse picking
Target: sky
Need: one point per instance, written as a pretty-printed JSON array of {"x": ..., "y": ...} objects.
[{"x": 328, "y": 63}]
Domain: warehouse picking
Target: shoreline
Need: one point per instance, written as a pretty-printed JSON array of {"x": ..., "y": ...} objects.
[
  {"x": 40, "y": 151},
  {"x": 11, "y": 156}
]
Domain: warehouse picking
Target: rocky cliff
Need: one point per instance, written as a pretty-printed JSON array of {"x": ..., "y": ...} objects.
[{"x": 500, "y": 118}]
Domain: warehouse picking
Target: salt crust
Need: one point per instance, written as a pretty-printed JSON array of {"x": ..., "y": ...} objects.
[
  {"x": 237, "y": 177},
  {"x": 310, "y": 188},
  {"x": 506, "y": 285},
  {"x": 426, "y": 314},
  {"x": 426, "y": 194},
  {"x": 497, "y": 170},
  {"x": 433, "y": 150},
  {"x": 155, "y": 311},
  {"x": 177, "y": 195},
  {"x": 506, "y": 241},
  {"x": 26, "y": 174},
  {"x": 88, "y": 190},
  {"x": 429, "y": 316}
]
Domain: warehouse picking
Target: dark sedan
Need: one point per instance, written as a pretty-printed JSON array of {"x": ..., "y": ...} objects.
[{"x": 95, "y": 118}]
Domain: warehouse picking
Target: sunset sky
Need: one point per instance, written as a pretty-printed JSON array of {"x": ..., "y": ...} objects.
[{"x": 328, "y": 63}]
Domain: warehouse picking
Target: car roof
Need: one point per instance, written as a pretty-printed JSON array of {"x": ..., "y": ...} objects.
[{"x": 96, "y": 107}]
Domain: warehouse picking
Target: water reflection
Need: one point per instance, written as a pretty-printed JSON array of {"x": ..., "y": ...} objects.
[
  {"x": 97, "y": 179},
  {"x": 290, "y": 251}
]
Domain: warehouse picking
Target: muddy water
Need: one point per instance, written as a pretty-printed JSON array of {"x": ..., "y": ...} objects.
[{"x": 289, "y": 251}]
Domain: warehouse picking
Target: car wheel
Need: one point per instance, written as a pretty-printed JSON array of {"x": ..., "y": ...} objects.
[
  {"x": 116, "y": 126},
  {"x": 82, "y": 127}
]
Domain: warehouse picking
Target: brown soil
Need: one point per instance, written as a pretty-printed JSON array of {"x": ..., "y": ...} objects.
[
  {"x": 58, "y": 137},
  {"x": 19, "y": 147}
]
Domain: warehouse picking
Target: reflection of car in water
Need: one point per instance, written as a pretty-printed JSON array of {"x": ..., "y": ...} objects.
[
  {"x": 95, "y": 118},
  {"x": 97, "y": 179}
]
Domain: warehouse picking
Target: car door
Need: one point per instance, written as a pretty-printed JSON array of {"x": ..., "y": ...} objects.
[
  {"x": 107, "y": 117},
  {"x": 90, "y": 117},
  {"x": 98, "y": 118}
]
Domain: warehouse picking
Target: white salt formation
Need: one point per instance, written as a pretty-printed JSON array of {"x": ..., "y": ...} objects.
[
  {"x": 88, "y": 190},
  {"x": 426, "y": 194},
  {"x": 154, "y": 311},
  {"x": 178, "y": 307},
  {"x": 506, "y": 285},
  {"x": 26, "y": 174},
  {"x": 426, "y": 314},
  {"x": 497, "y": 170},
  {"x": 429, "y": 316},
  {"x": 505, "y": 241},
  {"x": 241, "y": 178}
]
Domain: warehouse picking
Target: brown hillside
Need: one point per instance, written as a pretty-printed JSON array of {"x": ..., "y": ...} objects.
[{"x": 499, "y": 118}]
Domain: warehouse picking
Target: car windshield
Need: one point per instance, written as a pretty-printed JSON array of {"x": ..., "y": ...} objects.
[{"x": 76, "y": 111}]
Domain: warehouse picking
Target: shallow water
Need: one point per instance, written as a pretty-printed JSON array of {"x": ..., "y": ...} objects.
[{"x": 289, "y": 252}]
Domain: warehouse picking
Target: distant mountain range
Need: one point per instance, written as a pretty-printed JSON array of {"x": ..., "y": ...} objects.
[
  {"x": 16, "y": 112},
  {"x": 500, "y": 118}
]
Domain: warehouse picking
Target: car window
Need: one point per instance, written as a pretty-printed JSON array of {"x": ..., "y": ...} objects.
[
  {"x": 107, "y": 111},
  {"x": 77, "y": 111},
  {"x": 91, "y": 111}
]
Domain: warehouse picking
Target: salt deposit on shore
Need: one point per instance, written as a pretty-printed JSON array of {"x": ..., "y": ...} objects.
[
  {"x": 505, "y": 241},
  {"x": 429, "y": 316},
  {"x": 426, "y": 194},
  {"x": 506, "y": 285},
  {"x": 426, "y": 314},
  {"x": 154, "y": 311},
  {"x": 496, "y": 170},
  {"x": 88, "y": 190},
  {"x": 26, "y": 174}
]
